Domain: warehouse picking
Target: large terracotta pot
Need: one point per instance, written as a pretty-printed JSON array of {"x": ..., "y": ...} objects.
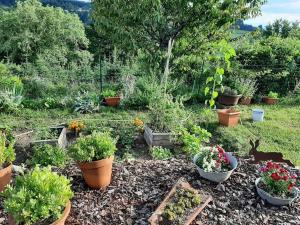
[
  {"x": 245, "y": 100},
  {"x": 229, "y": 100},
  {"x": 60, "y": 221},
  {"x": 112, "y": 101},
  {"x": 5, "y": 177},
  {"x": 270, "y": 101},
  {"x": 228, "y": 117},
  {"x": 97, "y": 174}
]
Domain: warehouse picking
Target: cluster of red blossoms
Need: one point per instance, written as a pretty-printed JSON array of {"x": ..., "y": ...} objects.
[
  {"x": 278, "y": 173},
  {"x": 222, "y": 157}
]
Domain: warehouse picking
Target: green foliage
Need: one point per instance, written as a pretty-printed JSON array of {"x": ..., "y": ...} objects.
[
  {"x": 93, "y": 147},
  {"x": 160, "y": 153},
  {"x": 108, "y": 93},
  {"x": 192, "y": 137},
  {"x": 228, "y": 91},
  {"x": 273, "y": 94},
  {"x": 7, "y": 80},
  {"x": 40, "y": 195},
  {"x": 48, "y": 155},
  {"x": 10, "y": 100},
  {"x": 86, "y": 103},
  {"x": 7, "y": 152},
  {"x": 246, "y": 87}
]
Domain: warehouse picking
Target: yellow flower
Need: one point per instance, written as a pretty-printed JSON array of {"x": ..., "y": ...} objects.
[{"x": 138, "y": 122}]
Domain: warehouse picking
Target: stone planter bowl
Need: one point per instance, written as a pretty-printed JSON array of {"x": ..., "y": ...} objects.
[
  {"x": 275, "y": 200},
  {"x": 217, "y": 177}
]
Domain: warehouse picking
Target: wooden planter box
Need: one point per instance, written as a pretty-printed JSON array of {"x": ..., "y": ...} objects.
[
  {"x": 157, "y": 139},
  {"x": 192, "y": 214},
  {"x": 61, "y": 141}
]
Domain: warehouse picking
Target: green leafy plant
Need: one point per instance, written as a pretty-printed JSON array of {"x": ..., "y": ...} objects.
[
  {"x": 108, "y": 93},
  {"x": 40, "y": 195},
  {"x": 228, "y": 91},
  {"x": 93, "y": 147},
  {"x": 44, "y": 133},
  {"x": 7, "y": 152},
  {"x": 246, "y": 86},
  {"x": 10, "y": 99},
  {"x": 86, "y": 103},
  {"x": 46, "y": 155},
  {"x": 273, "y": 94},
  {"x": 160, "y": 153}
]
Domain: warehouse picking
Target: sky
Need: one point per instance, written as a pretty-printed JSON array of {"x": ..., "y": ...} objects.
[{"x": 276, "y": 9}]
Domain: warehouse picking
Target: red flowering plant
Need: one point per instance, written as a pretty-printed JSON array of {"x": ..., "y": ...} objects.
[
  {"x": 213, "y": 159},
  {"x": 277, "y": 180}
]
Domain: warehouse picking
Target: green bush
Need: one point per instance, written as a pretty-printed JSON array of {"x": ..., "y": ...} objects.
[
  {"x": 108, "y": 93},
  {"x": 40, "y": 195},
  {"x": 7, "y": 152},
  {"x": 46, "y": 155},
  {"x": 246, "y": 87},
  {"x": 86, "y": 103},
  {"x": 93, "y": 147},
  {"x": 160, "y": 153},
  {"x": 273, "y": 94}
]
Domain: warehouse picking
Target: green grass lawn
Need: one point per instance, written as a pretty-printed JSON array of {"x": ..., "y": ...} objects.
[{"x": 280, "y": 132}]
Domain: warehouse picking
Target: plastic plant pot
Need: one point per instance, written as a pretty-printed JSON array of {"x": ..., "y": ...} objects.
[{"x": 258, "y": 115}]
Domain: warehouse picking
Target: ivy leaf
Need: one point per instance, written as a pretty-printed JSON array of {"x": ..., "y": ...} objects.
[
  {"x": 209, "y": 79},
  {"x": 215, "y": 94},
  {"x": 206, "y": 90},
  {"x": 211, "y": 102}
]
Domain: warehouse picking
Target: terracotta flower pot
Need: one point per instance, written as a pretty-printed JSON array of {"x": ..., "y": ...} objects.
[
  {"x": 5, "y": 177},
  {"x": 270, "y": 101},
  {"x": 112, "y": 101},
  {"x": 60, "y": 221},
  {"x": 245, "y": 100},
  {"x": 229, "y": 100},
  {"x": 228, "y": 117},
  {"x": 97, "y": 174}
]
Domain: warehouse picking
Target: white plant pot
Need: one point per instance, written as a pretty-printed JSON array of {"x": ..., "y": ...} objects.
[
  {"x": 258, "y": 115},
  {"x": 275, "y": 200},
  {"x": 217, "y": 177}
]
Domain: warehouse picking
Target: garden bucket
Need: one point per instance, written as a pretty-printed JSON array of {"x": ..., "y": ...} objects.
[
  {"x": 218, "y": 177},
  {"x": 258, "y": 115},
  {"x": 275, "y": 200}
]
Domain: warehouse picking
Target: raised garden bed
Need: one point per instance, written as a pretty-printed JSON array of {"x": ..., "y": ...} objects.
[
  {"x": 157, "y": 139},
  {"x": 59, "y": 140}
]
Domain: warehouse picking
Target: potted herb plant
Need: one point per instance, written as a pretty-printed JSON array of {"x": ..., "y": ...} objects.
[
  {"x": 271, "y": 99},
  {"x": 247, "y": 88},
  {"x": 228, "y": 97},
  {"x": 165, "y": 115},
  {"x": 38, "y": 196},
  {"x": 276, "y": 185},
  {"x": 229, "y": 117},
  {"x": 7, "y": 156},
  {"x": 110, "y": 97},
  {"x": 214, "y": 164},
  {"x": 94, "y": 154}
]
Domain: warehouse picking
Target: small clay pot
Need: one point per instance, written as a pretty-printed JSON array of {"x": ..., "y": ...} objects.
[
  {"x": 228, "y": 117},
  {"x": 245, "y": 100},
  {"x": 97, "y": 174},
  {"x": 112, "y": 101},
  {"x": 60, "y": 221},
  {"x": 270, "y": 101},
  {"x": 5, "y": 177},
  {"x": 229, "y": 100}
]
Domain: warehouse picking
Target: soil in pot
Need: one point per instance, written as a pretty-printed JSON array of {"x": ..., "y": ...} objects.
[
  {"x": 229, "y": 100},
  {"x": 112, "y": 101},
  {"x": 245, "y": 100},
  {"x": 60, "y": 221},
  {"x": 97, "y": 174},
  {"x": 5, "y": 177},
  {"x": 228, "y": 117},
  {"x": 270, "y": 101}
]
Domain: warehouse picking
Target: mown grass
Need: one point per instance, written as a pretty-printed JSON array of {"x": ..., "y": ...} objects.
[{"x": 280, "y": 132}]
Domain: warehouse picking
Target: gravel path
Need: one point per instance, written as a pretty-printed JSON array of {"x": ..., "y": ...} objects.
[{"x": 139, "y": 186}]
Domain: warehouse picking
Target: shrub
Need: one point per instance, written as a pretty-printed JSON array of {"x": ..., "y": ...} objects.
[
  {"x": 246, "y": 87},
  {"x": 86, "y": 103},
  {"x": 277, "y": 180},
  {"x": 228, "y": 91},
  {"x": 7, "y": 152},
  {"x": 10, "y": 100},
  {"x": 46, "y": 155},
  {"x": 160, "y": 153},
  {"x": 273, "y": 94},
  {"x": 108, "y": 93},
  {"x": 93, "y": 147},
  {"x": 40, "y": 195},
  {"x": 10, "y": 82}
]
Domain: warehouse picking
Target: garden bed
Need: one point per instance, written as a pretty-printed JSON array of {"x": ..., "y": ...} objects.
[{"x": 138, "y": 187}]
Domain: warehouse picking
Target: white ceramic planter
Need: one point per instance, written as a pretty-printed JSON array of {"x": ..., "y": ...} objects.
[
  {"x": 217, "y": 177},
  {"x": 275, "y": 200},
  {"x": 258, "y": 115}
]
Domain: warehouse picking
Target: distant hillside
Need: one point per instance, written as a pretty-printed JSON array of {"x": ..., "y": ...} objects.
[{"x": 82, "y": 8}]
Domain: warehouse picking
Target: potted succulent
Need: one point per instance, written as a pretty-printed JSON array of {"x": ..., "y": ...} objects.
[
  {"x": 110, "y": 97},
  {"x": 214, "y": 164},
  {"x": 228, "y": 97},
  {"x": 94, "y": 154},
  {"x": 247, "y": 88},
  {"x": 271, "y": 99},
  {"x": 276, "y": 184},
  {"x": 7, "y": 156},
  {"x": 38, "y": 196},
  {"x": 229, "y": 117}
]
